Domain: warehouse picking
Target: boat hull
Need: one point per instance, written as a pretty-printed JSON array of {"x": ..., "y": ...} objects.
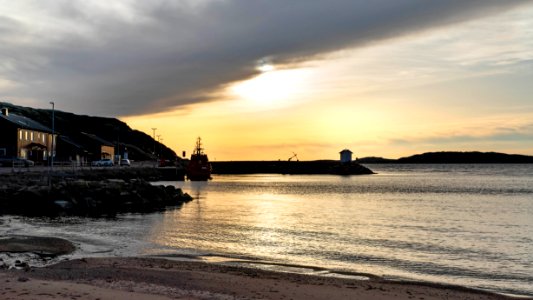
[
  {"x": 199, "y": 168},
  {"x": 199, "y": 171},
  {"x": 198, "y": 176}
]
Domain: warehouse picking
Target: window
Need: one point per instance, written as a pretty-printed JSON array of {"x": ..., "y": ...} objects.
[
  {"x": 20, "y": 135},
  {"x": 26, "y": 135},
  {"x": 31, "y": 136},
  {"x": 3, "y": 152}
]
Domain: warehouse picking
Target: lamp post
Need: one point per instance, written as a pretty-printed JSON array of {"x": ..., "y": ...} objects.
[
  {"x": 53, "y": 134},
  {"x": 118, "y": 146},
  {"x": 153, "y": 153},
  {"x": 160, "y": 147},
  {"x": 158, "y": 137},
  {"x": 154, "y": 129}
]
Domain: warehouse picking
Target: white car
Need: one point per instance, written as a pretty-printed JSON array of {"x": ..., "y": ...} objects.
[
  {"x": 102, "y": 163},
  {"x": 125, "y": 162}
]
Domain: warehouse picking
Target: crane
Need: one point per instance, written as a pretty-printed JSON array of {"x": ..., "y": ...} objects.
[{"x": 294, "y": 156}]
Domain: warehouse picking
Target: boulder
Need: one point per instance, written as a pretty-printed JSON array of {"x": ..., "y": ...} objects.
[{"x": 43, "y": 246}]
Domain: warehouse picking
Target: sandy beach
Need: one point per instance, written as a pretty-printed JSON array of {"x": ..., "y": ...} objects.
[{"x": 155, "y": 278}]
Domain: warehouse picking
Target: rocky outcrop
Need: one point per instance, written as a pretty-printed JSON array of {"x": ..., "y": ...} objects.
[
  {"x": 81, "y": 197},
  {"x": 43, "y": 246}
]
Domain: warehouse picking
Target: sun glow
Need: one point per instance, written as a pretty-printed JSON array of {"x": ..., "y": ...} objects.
[
  {"x": 266, "y": 68},
  {"x": 272, "y": 87}
]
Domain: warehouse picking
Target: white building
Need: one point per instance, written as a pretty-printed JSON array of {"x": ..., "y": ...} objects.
[{"x": 346, "y": 156}]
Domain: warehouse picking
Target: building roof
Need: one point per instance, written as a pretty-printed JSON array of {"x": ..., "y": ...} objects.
[
  {"x": 25, "y": 123},
  {"x": 98, "y": 139},
  {"x": 345, "y": 150},
  {"x": 73, "y": 144}
]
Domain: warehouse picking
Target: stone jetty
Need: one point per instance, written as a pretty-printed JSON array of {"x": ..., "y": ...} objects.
[
  {"x": 290, "y": 167},
  {"x": 92, "y": 193}
]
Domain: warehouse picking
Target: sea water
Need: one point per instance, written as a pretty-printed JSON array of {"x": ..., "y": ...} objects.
[{"x": 468, "y": 225}]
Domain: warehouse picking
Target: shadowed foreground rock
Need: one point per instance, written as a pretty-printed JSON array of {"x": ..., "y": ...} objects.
[
  {"x": 45, "y": 246},
  {"x": 81, "y": 197}
]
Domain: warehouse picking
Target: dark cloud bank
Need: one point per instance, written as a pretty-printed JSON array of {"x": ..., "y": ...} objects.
[{"x": 165, "y": 53}]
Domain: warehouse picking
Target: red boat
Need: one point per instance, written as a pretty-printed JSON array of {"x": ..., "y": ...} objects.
[{"x": 199, "y": 168}]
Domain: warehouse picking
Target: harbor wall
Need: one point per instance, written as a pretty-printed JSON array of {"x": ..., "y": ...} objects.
[{"x": 289, "y": 167}]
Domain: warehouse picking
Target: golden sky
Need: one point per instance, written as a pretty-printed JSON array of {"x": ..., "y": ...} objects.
[
  {"x": 266, "y": 79},
  {"x": 463, "y": 87}
]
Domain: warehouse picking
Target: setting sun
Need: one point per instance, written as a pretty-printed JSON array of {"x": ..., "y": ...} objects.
[{"x": 272, "y": 87}]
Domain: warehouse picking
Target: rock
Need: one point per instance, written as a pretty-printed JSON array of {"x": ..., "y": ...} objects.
[
  {"x": 21, "y": 265},
  {"x": 87, "y": 196},
  {"x": 43, "y": 246},
  {"x": 118, "y": 181},
  {"x": 63, "y": 204},
  {"x": 186, "y": 197}
]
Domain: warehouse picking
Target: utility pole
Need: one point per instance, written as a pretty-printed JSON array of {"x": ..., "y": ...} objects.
[
  {"x": 158, "y": 139},
  {"x": 117, "y": 155},
  {"x": 53, "y": 135},
  {"x": 153, "y": 153},
  {"x": 160, "y": 147},
  {"x": 154, "y": 129},
  {"x": 51, "y": 166}
]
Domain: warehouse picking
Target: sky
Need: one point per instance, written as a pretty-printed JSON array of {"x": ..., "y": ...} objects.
[{"x": 265, "y": 79}]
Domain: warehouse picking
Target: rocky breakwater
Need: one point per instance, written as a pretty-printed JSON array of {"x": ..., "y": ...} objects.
[
  {"x": 331, "y": 167},
  {"x": 81, "y": 197}
]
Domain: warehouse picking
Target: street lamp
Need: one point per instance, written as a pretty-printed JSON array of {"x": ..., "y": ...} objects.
[
  {"x": 157, "y": 156},
  {"x": 154, "y": 129},
  {"x": 53, "y": 134},
  {"x": 160, "y": 147},
  {"x": 118, "y": 144}
]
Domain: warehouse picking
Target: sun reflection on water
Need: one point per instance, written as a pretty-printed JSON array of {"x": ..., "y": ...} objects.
[{"x": 430, "y": 226}]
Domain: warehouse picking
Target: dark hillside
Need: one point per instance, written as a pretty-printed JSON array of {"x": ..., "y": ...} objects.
[
  {"x": 140, "y": 145},
  {"x": 465, "y": 158}
]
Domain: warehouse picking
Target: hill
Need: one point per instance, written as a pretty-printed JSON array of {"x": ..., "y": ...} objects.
[
  {"x": 140, "y": 145},
  {"x": 451, "y": 157},
  {"x": 375, "y": 160}
]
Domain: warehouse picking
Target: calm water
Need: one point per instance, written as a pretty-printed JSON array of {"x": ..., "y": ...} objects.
[{"x": 470, "y": 225}]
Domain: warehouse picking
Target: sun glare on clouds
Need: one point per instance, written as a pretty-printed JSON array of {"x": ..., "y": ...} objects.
[
  {"x": 272, "y": 88},
  {"x": 419, "y": 93}
]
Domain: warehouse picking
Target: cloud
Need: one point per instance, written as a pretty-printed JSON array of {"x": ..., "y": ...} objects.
[
  {"x": 131, "y": 57},
  {"x": 518, "y": 136}
]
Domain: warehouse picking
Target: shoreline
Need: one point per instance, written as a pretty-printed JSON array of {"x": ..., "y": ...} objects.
[
  {"x": 25, "y": 257},
  {"x": 161, "y": 278}
]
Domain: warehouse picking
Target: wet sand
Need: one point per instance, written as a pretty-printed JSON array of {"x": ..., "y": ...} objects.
[{"x": 156, "y": 278}]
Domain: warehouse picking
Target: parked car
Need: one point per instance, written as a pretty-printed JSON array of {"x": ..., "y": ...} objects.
[
  {"x": 166, "y": 163},
  {"x": 16, "y": 161},
  {"x": 125, "y": 162},
  {"x": 102, "y": 163}
]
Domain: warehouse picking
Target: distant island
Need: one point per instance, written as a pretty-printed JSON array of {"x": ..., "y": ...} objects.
[{"x": 453, "y": 157}]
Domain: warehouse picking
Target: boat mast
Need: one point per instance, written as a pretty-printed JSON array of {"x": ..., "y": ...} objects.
[{"x": 199, "y": 146}]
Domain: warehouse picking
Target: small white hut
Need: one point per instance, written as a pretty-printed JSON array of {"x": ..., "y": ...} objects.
[{"x": 346, "y": 156}]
